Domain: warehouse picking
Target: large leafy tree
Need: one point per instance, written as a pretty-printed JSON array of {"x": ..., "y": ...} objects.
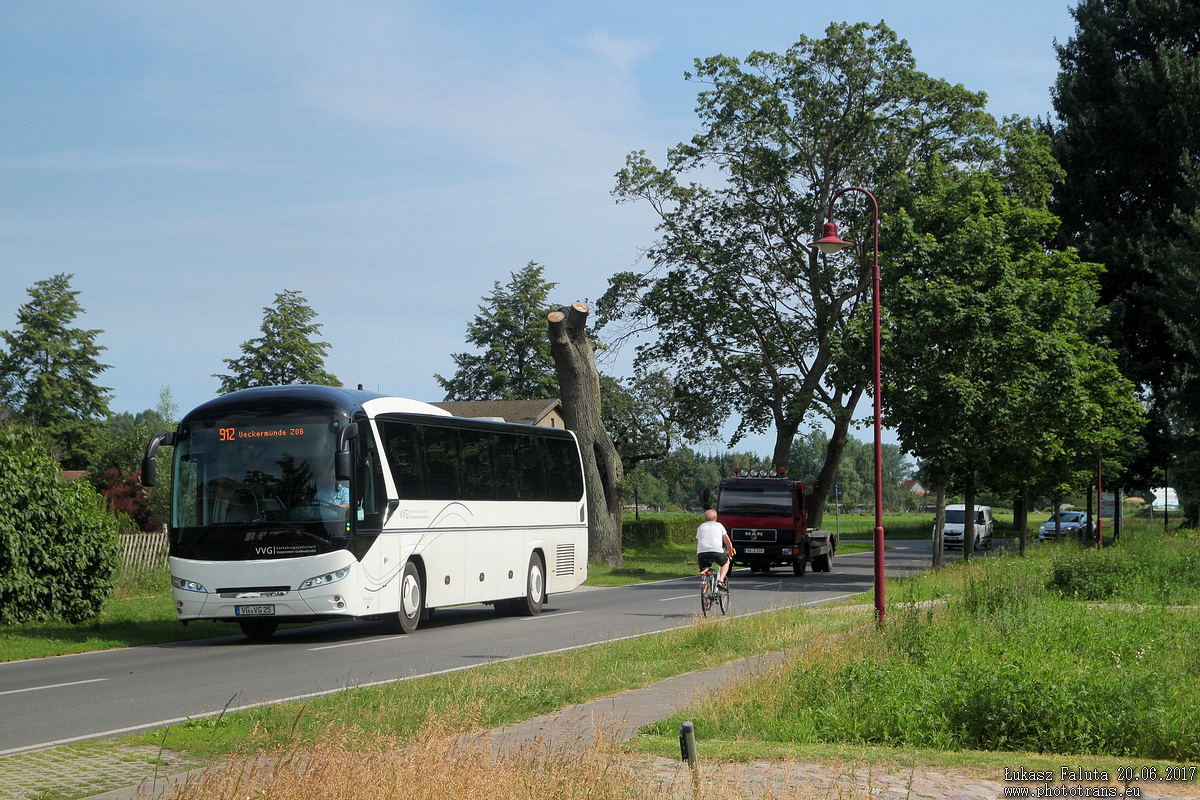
[
  {"x": 510, "y": 330},
  {"x": 49, "y": 369},
  {"x": 286, "y": 353},
  {"x": 992, "y": 373},
  {"x": 1128, "y": 102},
  {"x": 748, "y": 317}
]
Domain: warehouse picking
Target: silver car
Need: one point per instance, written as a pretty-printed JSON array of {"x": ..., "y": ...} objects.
[{"x": 1071, "y": 525}]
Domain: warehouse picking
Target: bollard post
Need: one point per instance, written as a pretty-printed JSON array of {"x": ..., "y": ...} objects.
[{"x": 687, "y": 749}]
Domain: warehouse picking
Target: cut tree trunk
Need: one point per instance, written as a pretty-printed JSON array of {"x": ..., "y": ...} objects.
[{"x": 579, "y": 386}]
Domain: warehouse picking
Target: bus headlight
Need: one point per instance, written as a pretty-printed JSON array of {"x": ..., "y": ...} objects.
[
  {"x": 326, "y": 579},
  {"x": 188, "y": 586}
]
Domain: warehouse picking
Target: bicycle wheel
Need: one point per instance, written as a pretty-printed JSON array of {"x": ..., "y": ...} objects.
[
  {"x": 723, "y": 599},
  {"x": 706, "y": 594}
]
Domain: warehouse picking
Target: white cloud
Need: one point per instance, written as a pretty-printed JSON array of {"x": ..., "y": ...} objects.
[{"x": 622, "y": 52}]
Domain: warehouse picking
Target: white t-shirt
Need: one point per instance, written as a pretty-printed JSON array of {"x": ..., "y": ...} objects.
[{"x": 709, "y": 537}]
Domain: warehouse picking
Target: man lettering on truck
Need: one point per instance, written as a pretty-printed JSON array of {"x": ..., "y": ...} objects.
[{"x": 713, "y": 544}]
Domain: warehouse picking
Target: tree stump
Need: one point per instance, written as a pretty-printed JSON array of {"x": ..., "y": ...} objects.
[{"x": 579, "y": 387}]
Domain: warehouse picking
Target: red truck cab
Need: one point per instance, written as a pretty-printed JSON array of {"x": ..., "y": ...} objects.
[{"x": 766, "y": 515}]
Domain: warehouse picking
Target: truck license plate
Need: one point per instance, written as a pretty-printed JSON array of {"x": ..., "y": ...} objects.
[
  {"x": 752, "y": 550},
  {"x": 254, "y": 611}
]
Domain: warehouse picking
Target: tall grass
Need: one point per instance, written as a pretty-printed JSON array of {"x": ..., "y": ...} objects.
[{"x": 436, "y": 765}]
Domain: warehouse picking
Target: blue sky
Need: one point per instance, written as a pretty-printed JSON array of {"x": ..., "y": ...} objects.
[{"x": 388, "y": 160}]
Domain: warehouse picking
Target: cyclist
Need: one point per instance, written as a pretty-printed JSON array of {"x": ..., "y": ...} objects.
[{"x": 713, "y": 544}]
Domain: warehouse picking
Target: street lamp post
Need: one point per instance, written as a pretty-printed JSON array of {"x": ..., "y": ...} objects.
[{"x": 830, "y": 243}]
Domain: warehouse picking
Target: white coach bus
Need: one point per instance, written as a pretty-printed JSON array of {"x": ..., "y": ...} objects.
[{"x": 304, "y": 503}]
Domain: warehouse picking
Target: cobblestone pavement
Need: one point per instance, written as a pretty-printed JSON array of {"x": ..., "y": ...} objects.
[
  {"x": 103, "y": 772},
  {"x": 86, "y": 769}
]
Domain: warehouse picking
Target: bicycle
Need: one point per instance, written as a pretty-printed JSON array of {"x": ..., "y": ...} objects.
[{"x": 711, "y": 591}]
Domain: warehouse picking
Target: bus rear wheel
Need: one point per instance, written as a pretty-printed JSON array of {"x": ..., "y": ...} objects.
[
  {"x": 535, "y": 589},
  {"x": 412, "y": 600}
]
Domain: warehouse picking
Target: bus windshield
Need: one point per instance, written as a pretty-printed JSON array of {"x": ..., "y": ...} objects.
[
  {"x": 258, "y": 479},
  {"x": 753, "y": 501}
]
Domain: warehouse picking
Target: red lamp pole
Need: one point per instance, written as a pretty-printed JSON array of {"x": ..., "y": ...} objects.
[
  {"x": 830, "y": 242},
  {"x": 1100, "y": 495}
]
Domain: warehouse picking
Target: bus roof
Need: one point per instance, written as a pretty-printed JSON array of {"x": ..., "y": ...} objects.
[{"x": 347, "y": 401}]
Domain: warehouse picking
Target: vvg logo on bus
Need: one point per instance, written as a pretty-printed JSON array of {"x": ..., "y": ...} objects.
[{"x": 277, "y": 551}]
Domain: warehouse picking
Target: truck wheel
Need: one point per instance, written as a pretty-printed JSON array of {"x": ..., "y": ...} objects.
[
  {"x": 826, "y": 563},
  {"x": 798, "y": 567}
]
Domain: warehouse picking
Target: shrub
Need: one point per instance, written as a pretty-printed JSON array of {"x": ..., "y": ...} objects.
[
  {"x": 1088, "y": 575},
  {"x": 59, "y": 547}
]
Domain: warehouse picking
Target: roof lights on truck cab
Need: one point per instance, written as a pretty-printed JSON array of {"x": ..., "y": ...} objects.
[{"x": 738, "y": 472}]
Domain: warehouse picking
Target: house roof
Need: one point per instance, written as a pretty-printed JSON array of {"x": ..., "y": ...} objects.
[{"x": 528, "y": 412}]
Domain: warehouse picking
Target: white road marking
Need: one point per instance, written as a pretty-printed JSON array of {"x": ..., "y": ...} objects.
[
  {"x": 53, "y": 686},
  {"x": 550, "y": 615},
  {"x": 356, "y": 644}
]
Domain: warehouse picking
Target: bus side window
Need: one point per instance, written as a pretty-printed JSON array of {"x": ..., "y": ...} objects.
[
  {"x": 531, "y": 468},
  {"x": 477, "y": 465},
  {"x": 562, "y": 471},
  {"x": 504, "y": 466},
  {"x": 402, "y": 440},
  {"x": 443, "y": 458}
]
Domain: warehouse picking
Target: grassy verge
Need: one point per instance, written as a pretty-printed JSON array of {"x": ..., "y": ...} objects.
[
  {"x": 505, "y": 691},
  {"x": 1048, "y": 653}
]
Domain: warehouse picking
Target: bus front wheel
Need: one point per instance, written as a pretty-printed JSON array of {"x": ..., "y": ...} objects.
[
  {"x": 258, "y": 629},
  {"x": 412, "y": 599}
]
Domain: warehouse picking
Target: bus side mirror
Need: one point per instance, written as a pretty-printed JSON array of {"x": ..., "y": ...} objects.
[
  {"x": 706, "y": 498},
  {"x": 149, "y": 464},
  {"x": 343, "y": 465},
  {"x": 149, "y": 472}
]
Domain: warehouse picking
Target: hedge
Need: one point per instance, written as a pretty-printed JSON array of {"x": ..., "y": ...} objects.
[{"x": 676, "y": 530}]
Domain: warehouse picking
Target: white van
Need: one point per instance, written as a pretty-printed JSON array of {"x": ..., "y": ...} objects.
[{"x": 984, "y": 525}]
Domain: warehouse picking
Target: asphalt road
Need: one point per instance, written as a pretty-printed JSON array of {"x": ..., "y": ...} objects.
[{"x": 53, "y": 701}]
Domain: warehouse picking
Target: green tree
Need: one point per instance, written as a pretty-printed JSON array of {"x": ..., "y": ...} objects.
[
  {"x": 286, "y": 353},
  {"x": 510, "y": 329},
  {"x": 115, "y": 470},
  {"x": 638, "y": 415},
  {"x": 749, "y": 318},
  {"x": 59, "y": 548},
  {"x": 1127, "y": 99},
  {"x": 48, "y": 370},
  {"x": 991, "y": 373}
]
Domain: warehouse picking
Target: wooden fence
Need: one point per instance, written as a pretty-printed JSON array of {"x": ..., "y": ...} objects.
[{"x": 144, "y": 551}]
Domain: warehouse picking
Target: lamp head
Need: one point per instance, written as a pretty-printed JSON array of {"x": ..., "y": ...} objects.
[{"x": 830, "y": 242}]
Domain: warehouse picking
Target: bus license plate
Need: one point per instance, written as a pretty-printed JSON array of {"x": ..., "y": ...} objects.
[
  {"x": 254, "y": 611},
  {"x": 753, "y": 550}
]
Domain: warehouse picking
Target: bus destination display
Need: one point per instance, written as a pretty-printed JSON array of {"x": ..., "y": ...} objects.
[{"x": 238, "y": 433}]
